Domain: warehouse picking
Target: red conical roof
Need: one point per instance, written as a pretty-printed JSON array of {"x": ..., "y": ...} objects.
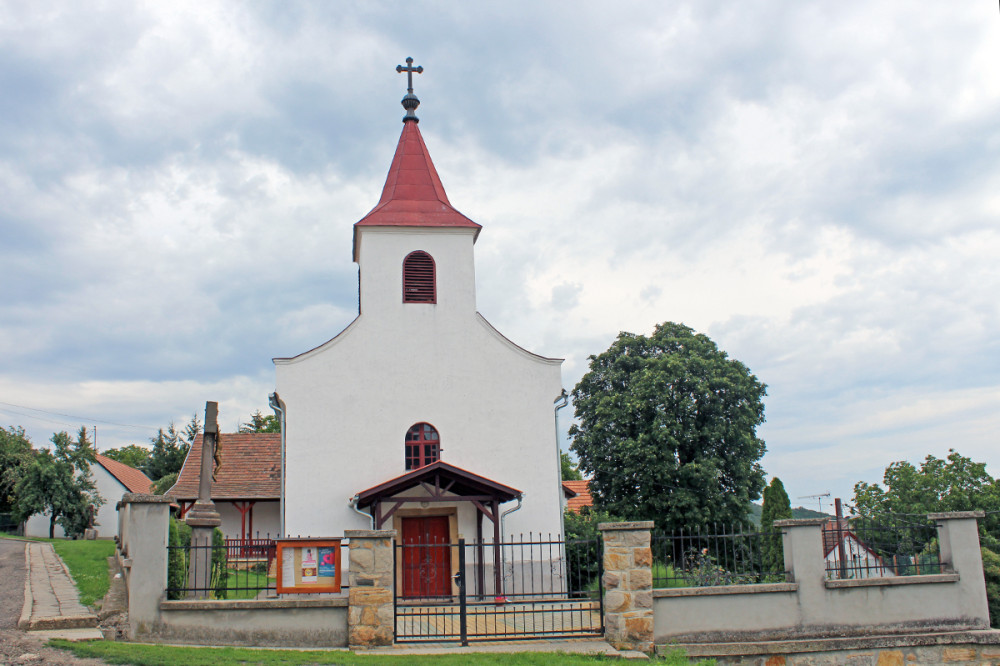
[{"x": 413, "y": 195}]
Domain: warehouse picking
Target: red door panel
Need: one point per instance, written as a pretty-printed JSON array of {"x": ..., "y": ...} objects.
[{"x": 426, "y": 557}]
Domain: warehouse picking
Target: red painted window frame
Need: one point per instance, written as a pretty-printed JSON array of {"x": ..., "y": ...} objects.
[
  {"x": 421, "y": 450},
  {"x": 419, "y": 278}
]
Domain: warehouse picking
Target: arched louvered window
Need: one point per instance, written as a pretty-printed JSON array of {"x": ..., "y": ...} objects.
[
  {"x": 419, "y": 284},
  {"x": 423, "y": 446}
]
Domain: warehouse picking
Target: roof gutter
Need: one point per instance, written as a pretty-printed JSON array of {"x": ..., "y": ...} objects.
[{"x": 278, "y": 405}]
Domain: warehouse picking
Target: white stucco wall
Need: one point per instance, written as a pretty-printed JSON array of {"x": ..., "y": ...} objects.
[
  {"x": 106, "y": 521},
  {"x": 350, "y": 401}
]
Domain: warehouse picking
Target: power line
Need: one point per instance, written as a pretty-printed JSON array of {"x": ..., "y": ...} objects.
[{"x": 79, "y": 419}]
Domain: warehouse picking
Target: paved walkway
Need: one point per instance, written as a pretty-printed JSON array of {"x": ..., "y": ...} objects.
[{"x": 51, "y": 601}]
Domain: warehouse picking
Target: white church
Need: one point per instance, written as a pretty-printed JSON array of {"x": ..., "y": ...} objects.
[{"x": 419, "y": 416}]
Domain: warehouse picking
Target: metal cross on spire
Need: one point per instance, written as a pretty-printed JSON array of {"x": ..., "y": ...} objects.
[{"x": 410, "y": 101}]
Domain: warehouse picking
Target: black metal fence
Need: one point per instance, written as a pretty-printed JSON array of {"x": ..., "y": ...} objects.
[
  {"x": 519, "y": 588},
  {"x": 881, "y": 546},
  {"x": 717, "y": 555},
  {"x": 236, "y": 569},
  {"x": 8, "y": 524}
]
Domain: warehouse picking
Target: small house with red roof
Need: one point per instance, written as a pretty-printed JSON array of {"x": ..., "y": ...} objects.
[
  {"x": 247, "y": 486},
  {"x": 112, "y": 479},
  {"x": 577, "y": 494},
  {"x": 420, "y": 416}
]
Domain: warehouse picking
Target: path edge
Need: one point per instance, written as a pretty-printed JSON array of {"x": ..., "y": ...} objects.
[{"x": 25, "y": 620}]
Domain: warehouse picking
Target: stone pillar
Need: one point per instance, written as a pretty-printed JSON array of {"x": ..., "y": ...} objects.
[
  {"x": 370, "y": 615},
  {"x": 628, "y": 581},
  {"x": 203, "y": 517},
  {"x": 958, "y": 537},
  {"x": 144, "y": 558}
]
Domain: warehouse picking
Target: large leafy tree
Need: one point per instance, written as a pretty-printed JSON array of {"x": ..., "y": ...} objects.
[
  {"x": 667, "y": 430},
  {"x": 58, "y": 483},
  {"x": 132, "y": 455},
  {"x": 776, "y": 507},
  {"x": 955, "y": 483},
  {"x": 16, "y": 455}
]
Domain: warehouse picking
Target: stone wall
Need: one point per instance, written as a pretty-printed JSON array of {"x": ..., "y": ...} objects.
[{"x": 628, "y": 581}]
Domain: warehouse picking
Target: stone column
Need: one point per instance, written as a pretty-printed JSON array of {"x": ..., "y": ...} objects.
[
  {"x": 144, "y": 558},
  {"x": 628, "y": 581},
  {"x": 370, "y": 615},
  {"x": 958, "y": 537}
]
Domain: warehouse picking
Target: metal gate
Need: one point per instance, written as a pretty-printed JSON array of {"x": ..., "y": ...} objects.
[{"x": 484, "y": 591}]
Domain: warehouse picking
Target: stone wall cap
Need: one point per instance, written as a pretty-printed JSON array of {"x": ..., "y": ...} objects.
[
  {"x": 956, "y": 515},
  {"x": 801, "y": 522},
  {"x": 713, "y": 590},
  {"x": 634, "y": 525},
  {"x": 146, "y": 498},
  {"x": 252, "y": 604},
  {"x": 371, "y": 534}
]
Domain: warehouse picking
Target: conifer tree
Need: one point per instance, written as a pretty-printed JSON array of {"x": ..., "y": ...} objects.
[{"x": 776, "y": 507}]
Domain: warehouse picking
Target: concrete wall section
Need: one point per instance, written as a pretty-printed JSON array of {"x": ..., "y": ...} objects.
[
  {"x": 142, "y": 555},
  {"x": 812, "y": 606},
  {"x": 264, "y": 623}
]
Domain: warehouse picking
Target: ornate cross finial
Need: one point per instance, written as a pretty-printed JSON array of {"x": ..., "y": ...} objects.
[{"x": 410, "y": 101}]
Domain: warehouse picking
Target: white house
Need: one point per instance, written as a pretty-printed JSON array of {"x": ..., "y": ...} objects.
[
  {"x": 113, "y": 479},
  {"x": 848, "y": 556},
  {"x": 420, "y": 416}
]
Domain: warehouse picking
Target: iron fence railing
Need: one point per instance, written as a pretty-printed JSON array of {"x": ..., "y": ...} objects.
[
  {"x": 527, "y": 586},
  {"x": 717, "y": 555},
  {"x": 881, "y": 546},
  {"x": 236, "y": 569}
]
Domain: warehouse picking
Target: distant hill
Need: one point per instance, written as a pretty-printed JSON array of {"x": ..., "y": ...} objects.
[{"x": 797, "y": 512}]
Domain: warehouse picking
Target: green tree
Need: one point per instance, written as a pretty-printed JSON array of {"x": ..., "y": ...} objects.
[
  {"x": 162, "y": 485},
  {"x": 132, "y": 455},
  {"x": 59, "y": 484},
  {"x": 570, "y": 472},
  {"x": 667, "y": 430},
  {"x": 261, "y": 423},
  {"x": 168, "y": 453},
  {"x": 776, "y": 507},
  {"x": 16, "y": 455},
  {"x": 955, "y": 483}
]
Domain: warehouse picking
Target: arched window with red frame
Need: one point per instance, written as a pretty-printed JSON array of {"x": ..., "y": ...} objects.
[
  {"x": 423, "y": 446},
  {"x": 419, "y": 279}
]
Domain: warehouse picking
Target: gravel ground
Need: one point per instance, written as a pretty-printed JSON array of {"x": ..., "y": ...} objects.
[{"x": 19, "y": 647}]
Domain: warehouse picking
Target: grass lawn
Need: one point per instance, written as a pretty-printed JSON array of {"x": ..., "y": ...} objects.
[
  {"x": 170, "y": 655},
  {"x": 247, "y": 578},
  {"x": 87, "y": 562}
]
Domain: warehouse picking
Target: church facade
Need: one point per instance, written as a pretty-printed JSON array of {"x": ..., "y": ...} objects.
[{"x": 419, "y": 416}]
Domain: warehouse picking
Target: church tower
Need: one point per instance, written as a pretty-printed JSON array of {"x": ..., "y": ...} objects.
[{"x": 419, "y": 416}]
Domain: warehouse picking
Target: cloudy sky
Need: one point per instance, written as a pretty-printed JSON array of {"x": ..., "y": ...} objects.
[{"x": 815, "y": 185}]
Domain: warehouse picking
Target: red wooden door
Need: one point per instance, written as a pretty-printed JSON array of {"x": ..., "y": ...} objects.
[{"x": 426, "y": 557}]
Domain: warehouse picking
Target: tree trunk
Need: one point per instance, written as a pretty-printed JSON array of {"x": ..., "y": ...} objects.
[{"x": 52, "y": 526}]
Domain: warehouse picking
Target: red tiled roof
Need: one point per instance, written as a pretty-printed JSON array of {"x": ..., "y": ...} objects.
[
  {"x": 465, "y": 483},
  {"x": 413, "y": 195},
  {"x": 130, "y": 477},
  {"x": 251, "y": 468},
  {"x": 582, "y": 496},
  {"x": 830, "y": 534}
]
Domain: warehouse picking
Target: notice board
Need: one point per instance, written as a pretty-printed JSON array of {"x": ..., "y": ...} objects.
[{"x": 308, "y": 565}]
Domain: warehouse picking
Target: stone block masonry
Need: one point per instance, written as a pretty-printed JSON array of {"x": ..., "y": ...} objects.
[
  {"x": 628, "y": 581},
  {"x": 370, "y": 614}
]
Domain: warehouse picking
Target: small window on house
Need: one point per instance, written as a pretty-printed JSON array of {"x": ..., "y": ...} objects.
[
  {"x": 423, "y": 446},
  {"x": 418, "y": 278}
]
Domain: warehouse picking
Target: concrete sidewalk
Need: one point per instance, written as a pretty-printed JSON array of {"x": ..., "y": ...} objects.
[{"x": 51, "y": 601}]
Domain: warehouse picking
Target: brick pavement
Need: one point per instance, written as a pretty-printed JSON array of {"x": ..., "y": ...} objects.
[{"x": 51, "y": 599}]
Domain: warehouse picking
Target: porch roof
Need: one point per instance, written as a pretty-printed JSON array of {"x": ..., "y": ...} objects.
[{"x": 441, "y": 477}]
